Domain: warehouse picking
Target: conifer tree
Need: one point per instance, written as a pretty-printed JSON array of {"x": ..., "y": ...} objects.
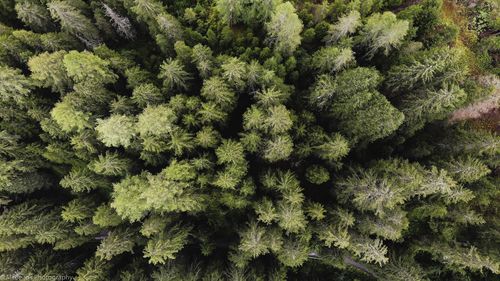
[
  {"x": 85, "y": 67},
  {"x": 14, "y": 86},
  {"x": 173, "y": 75},
  {"x": 345, "y": 26},
  {"x": 284, "y": 28},
  {"x": 49, "y": 69},
  {"x": 121, "y": 23},
  {"x": 68, "y": 118},
  {"x": 35, "y": 15},
  {"x": 383, "y": 32},
  {"x": 117, "y": 130},
  {"x": 331, "y": 59},
  {"x": 74, "y": 22},
  {"x": 428, "y": 68}
]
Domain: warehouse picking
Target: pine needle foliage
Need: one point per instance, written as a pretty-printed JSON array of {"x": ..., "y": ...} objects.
[{"x": 148, "y": 140}]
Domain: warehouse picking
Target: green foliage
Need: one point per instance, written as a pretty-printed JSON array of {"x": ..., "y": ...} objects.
[
  {"x": 383, "y": 32},
  {"x": 331, "y": 59},
  {"x": 105, "y": 216},
  {"x": 467, "y": 169},
  {"x": 29, "y": 223},
  {"x": 317, "y": 174},
  {"x": 278, "y": 148},
  {"x": 147, "y": 94},
  {"x": 428, "y": 68},
  {"x": 362, "y": 111},
  {"x": 173, "y": 75},
  {"x": 126, "y": 197},
  {"x": 78, "y": 209},
  {"x": 117, "y": 241},
  {"x": 249, "y": 140},
  {"x": 156, "y": 121},
  {"x": 163, "y": 246},
  {"x": 284, "y": 28},
  {"x": 117, "y": 130},
  {"x": 93, "y": 269},
  {"x": 345, "y": 26},
  {"x": 74, "y": 22},
  {"x": 13, "y": 85},
  {"x": 82, "y": 180},
  {"x": 110, "y": 164},
  {"x": 49, "y": 70},
  {"x": 88, "y": 68},
  {"x": 230, "y": 152},
  {"x": 34, "y": 15},
  {"x": 217, "y": 91},
  {"x": 68, "y": 118}
]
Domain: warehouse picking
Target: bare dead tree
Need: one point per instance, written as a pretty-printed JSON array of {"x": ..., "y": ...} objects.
[{"x": 121, "y": 23}]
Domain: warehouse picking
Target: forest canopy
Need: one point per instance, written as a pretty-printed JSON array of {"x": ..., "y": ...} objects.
[{"x": 249, "y": 140}]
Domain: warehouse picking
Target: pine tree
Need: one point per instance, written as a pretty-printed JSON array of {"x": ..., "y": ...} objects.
[
  {"x": 332, "y": 59},
  {"x": 173, "y": 75},
  {"x": 383, "y": 32},
  {"x": 115, "y": 131},
  {"x": 147, "y": 94},
  {"x": 353, "y": 106},
  {"x": 126, "y": 197},
  {"x": 279, "y": 120},
  {"x": 467, "y": 169},
  {"x": 284, "y": 28},
  {"x": 14, "y": 86},
  {"x": 428, "y": 68},
  {"x": 49, "y": 70},
  {"x": 89, "y": 68},
  {"x": 345, "y": 26},
  {"x": 82, "y": 180},
  {"x": 278, "y": 148},
  {"x": 117, "y": 241},
  {"x": 68, "y": 118},
  {"x": 217, "y": 91},
  {"x": 106, "y": 216},
  {"x": 230, "y": 10},
  {"x": 156, "y": 121},
  {"x": 317, "y": 174},
  {"x": 35, "y": 15},
  {"x": 169, "y": 26},
  {"x": 93, "y": 269},
  {"x": 74, "y": 22},
  {"x": 164, "y": 245},
  {"x": 202, "y": 56},
  {"x": 110, "y": 164},
  {"x": 30, "y": 222},
  {"x": 433, "y": 104},
  {"x": 234, "y": 71}
]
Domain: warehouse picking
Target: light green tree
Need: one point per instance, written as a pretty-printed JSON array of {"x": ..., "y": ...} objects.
[
  {"x": 332, "y": 59},
  {"x": 13, "y": 85},
  {"x": 163, "y": 246},
  {"x": 117, "y": 130},
  {"x": 173, "y": 74},
  {"x": 49, "y": 70},
  {"x": 383, "y": 32},
  {"x": 85, "y": 67},
  {"x": 284, "y": 28},
  {"x": 345, "y": 26},
  {"x": 68, "y": 118}
]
